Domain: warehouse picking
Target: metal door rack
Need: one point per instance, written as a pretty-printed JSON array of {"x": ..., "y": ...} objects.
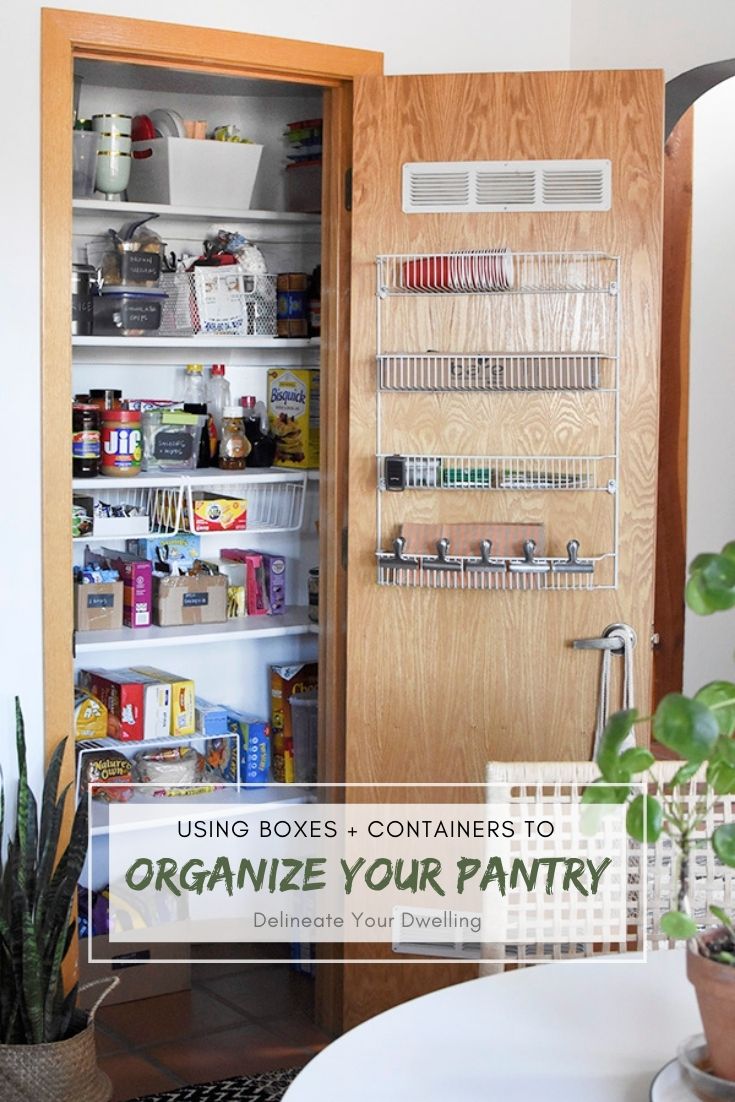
[{"x": 558, "y": 314}]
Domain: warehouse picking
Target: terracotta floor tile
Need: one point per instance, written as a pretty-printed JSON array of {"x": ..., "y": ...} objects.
[
  {"x": 297, "y": 1029},
  {"x": 133, "y": 1075},
  {"x": 241, "y": 1051},
  {"x": 107, "y": 1041},
  {"x": 168, "y": 1017},
  {"x": 267, "y": 991}
]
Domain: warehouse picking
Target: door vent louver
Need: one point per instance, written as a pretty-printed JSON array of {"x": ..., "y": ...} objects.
[
  {"x": 436, "y": 187},
  {"x": 407, "y": 934}
]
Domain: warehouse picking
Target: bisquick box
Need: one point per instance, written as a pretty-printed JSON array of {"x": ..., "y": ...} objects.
[
  {"x": 286, "y": 682},
  {"x": 137, "y": 577},
  {"x": 293, "y": 415},
  {"x": 138, "y": 706},
  {"x": 182, "y": 717}
]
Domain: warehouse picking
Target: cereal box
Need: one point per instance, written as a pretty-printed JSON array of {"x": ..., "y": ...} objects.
[
  {"x": 287, "y": 682},
  {"x": 182, "y": 711},
  {"x": 293, "y": 413}
]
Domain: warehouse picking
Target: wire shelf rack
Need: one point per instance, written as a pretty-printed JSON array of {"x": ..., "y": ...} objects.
[
  {"x": 498, "y": 472},
  {"x": 271, "y": 506},
  {"x": 496, "y": 371},
  {"x": 218, "y": 301},
  {"x": 426, "y": 575},
  {"x": 156, "y": 511},
  {"x": 496, "y": 271}
]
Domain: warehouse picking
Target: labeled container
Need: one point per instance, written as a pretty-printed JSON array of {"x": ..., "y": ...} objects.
[
  {"x": 85, "y": 441},
  {"x": 98, "y": 606},
  {"x": 185, "y": 173},
  {"x": 314, "y": 595},
  {"x": 305, "y": 734},
  {"x": 304, "y": 187},
  {"x": 291, "y": 304},
  {"x": 122, "y": 446},
  {"x": 119, "y": 312},
  {"x": 82, "y": 278}
]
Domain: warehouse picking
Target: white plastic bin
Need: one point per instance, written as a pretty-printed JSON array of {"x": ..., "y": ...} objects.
[
  {"x": 184, "y": 172},
  {"x": 304, "y": 715}
]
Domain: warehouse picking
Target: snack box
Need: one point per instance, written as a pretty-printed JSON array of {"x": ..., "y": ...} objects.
[
  {"x": 137, "y": 578},
  {"x": 274, "y": 570},
  {"x": 182, "y": 698},
  {"x": 102, "y": 765},
  {"x": 287, "y": 681},
  {"x": 218, "y": 513},
  {"x": 254, "y": 759},
  {"x": 156, "y": 705},
  {"x": 293, "y": 415},
  {"x": 211, "y": 719},
  {"x": 162, "y": 550},
  {"x": 236, "y": 574},
  {"x": 90, "y": 716},
  {"x": 122, "y": 693},
  {"x": 190, "y": 599}
]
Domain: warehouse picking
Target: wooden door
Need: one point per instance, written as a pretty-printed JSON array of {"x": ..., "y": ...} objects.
[{"x": 441, "y": 680}]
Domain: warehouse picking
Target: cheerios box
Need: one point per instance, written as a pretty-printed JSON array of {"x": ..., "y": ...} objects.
[
  {"x": 287, "y": 682},
  {"x": 293, "y": 414}
]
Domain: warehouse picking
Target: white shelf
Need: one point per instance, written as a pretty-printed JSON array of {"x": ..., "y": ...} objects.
[
  {"x": 206, "y": 214},
  {"x": 294, "y": 621},
  {"x": 264, "y": 797},
  {"x": 206, "y": 475},
  {"x": 206, "y": 340}
]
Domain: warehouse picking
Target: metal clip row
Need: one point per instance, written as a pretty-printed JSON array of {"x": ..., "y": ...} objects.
[{"x": 529, "y": 564}]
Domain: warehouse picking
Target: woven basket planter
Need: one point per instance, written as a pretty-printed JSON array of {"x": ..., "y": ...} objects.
[{"x": 57, "y": 1072}]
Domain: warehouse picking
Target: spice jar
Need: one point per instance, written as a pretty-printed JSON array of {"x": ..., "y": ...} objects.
[
  {"x": 85, "y": 441},
  {"x": 121, "y": 442},
  {"x": 234, "y": 446}
]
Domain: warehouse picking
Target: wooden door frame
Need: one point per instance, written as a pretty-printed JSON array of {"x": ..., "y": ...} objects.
[{"x": 65, "y": 36}]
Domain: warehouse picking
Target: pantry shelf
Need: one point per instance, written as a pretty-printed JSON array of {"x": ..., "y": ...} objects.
[
  {"x": 201, "y": 475},
  {"x": 200, "y": 342},
  {"x": 294, "y": 621},
  {"x": 496, "y": 472},
  {"x": 203, "y": 214},
  {"x": 496, "y": 273},
  {"x": 496, "y": 371}
]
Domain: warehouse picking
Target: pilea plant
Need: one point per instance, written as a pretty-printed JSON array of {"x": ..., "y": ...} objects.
[{"x": 701, "y": 731}]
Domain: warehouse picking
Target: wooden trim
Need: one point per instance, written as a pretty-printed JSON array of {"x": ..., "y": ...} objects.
[{"x": 674, "y": 411}]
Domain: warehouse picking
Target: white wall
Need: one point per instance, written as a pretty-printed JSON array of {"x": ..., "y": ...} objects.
[
  {"x": 674, "y": 35},
  {"x": 710, "y": 640}
]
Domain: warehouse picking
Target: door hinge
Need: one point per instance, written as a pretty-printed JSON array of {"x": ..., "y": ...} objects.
[
  {"x": 348, "y": 189},
  {"x": 344, "y": 548}
]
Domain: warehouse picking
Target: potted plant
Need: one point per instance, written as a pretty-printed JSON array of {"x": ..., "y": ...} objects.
[
  {"x": 47, "y": 1050},
  {"x": 701, "y": 731}
]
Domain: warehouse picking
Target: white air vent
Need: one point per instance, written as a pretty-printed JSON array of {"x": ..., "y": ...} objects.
[
  {"x": 408, "y": 923},
  {"x": 436, "y": 187}
]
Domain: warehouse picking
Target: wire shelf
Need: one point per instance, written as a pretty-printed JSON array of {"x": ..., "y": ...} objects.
[
  {"x": 496, "y": 271},
  {"x": 495, "y": 371},
  {"x": 222, "y": 301},
  {"x": 500, "y": 472},
  {"x": 158, "y": 511},
  {"x": 271, "y": 506}
]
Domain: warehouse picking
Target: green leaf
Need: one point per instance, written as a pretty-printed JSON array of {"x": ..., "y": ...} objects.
[
  {"x": 719, "y": 696},
  {"x": 600, "y": 792},
  {"x": 685, "y": 726},
  {"x": 729, "y": 550},
  {"x": 725, "y": 750},
  {"x": 722, "y": 777},
  {"x": 723, "y": 916},
  {"x": 644, "y": 820},
  {"x": 636, "y": 760},
  {"x": 677, "y": 925},
  {"x": 685, "y": 773},
  {"x": 723, "y": 843},
  {"x": 616, "y": 731},
  {"x": 697, "y": 598},
  {"x": 716, "y": 581}
]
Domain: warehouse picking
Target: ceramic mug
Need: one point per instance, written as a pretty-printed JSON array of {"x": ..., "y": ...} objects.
[
  {"x": 113, "y": 171},
  {"x": 113, "y": 124}
]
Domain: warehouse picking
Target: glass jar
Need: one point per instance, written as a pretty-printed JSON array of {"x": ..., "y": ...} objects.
[
  {"x": 234, "y": 446},
  {"x": 85, "y": 441}
]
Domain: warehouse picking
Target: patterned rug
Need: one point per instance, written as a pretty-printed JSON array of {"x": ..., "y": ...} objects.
[{"x": 269, "y": 1086}]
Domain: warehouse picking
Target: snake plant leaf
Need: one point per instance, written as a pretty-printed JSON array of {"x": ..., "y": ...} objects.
[
  {"x": 723, "y": 843},
  {"x": 719, "y": 696},
  {"x": 617, "y": 729},
  {"x": 644, "y": 819},
  {"x": 32, "y": 995},
  {"x": 685, "y": 726},
  {"x": 677, "y": 925},
  {"x": 51, "y": 815}
]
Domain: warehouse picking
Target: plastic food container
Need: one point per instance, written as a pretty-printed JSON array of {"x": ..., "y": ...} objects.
[
  {"x": 304, "y": 187},
  {"x": 121, "y": 443},
  {"x": 304, "y": 715},
  {"x": 186, "y": 173},
  {"x": 119, "y": 312}
]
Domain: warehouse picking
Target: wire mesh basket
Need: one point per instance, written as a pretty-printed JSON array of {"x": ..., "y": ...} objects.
[{"x": 223, "y": 300}]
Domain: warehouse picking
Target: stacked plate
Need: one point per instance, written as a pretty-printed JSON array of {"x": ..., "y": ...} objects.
[
  {"x": 472, "y": 271},
  {"x": 167, "y": 124}
]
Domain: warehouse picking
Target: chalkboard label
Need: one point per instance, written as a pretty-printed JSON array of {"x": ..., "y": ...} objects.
[
  {"x": 174, "y": 445},
  {"x": 100, "y": 600},
  {"x": 195, "y": 599},
  {"x": 137, "y": 314},
  {"x": 140, "y": 267}
]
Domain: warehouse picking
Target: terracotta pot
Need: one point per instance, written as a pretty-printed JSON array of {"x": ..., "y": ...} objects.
[
  {"x": 57, "y": 1072},
  {"x": 715, "y": 987}
]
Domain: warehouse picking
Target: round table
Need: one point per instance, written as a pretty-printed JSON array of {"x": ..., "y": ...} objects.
[{"x": 591, "y": 1031}]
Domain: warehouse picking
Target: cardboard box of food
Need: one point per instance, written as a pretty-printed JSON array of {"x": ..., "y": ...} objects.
[
  {"x": 190, "y": 599},
  {"x": 134, "y": 965},
  {"x": 293, "y": 413},
  {"x": 218, "y": 513},
  {"x": 137, "y": 575},
  {"x": 273, "y": 570},
  {"x": 286, "y": 682},
  {"x": 98, "y": 606},
  {"x": 122, "y": 693},
  {"x": 183, "y": 718},
  {"x": 184, "y": 546}
]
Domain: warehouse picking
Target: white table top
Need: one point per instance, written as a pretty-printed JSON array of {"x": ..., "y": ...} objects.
[{"x": 579, "y": 1032}]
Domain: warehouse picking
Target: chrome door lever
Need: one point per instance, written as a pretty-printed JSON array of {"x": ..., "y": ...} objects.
[{"x": 612, "y": 639}]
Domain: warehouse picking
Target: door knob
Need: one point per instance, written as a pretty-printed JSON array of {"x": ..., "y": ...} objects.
[{"x": 614, "y": 638}]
